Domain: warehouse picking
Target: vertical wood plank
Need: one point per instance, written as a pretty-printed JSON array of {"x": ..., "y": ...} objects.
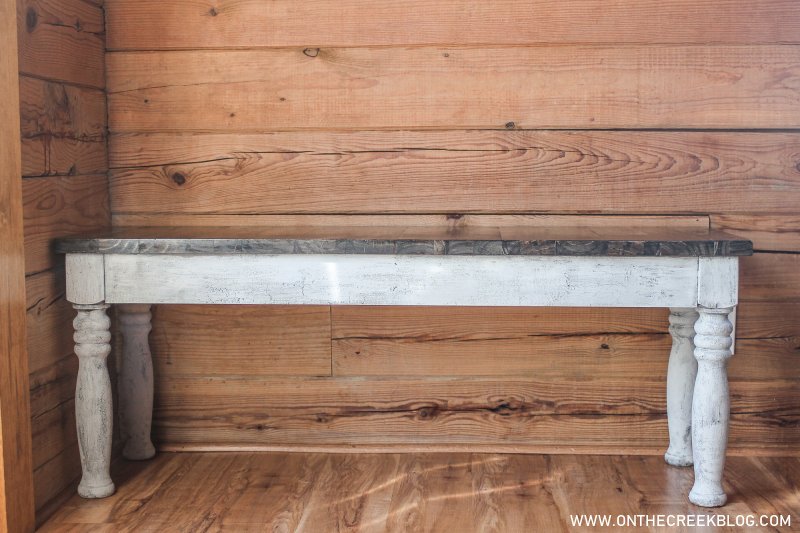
[{"x": 16, "y": 470}]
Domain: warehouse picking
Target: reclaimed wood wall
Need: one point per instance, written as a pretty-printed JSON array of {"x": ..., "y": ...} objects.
[
  {"x": 459, "y": 112},
  {"x": 65, "y": 191}
]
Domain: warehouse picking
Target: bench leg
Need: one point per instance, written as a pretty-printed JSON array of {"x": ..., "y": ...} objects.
[
  {"x": 93, "y": 404},
  {"x": 136, "y": 381},
  {"x": 681, "y": 375},
  {"x": 711, "y": 405}
]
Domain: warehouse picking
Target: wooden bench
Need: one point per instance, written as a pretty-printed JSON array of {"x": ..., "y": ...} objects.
[{"x": 694, "y": 274}]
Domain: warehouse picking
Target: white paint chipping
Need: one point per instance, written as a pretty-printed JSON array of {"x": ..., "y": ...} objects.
[
  {"x": 85, "y": 278},
  {"x": 697, "y": 389},
  {"x": 680, "y": 386},
  {"x": 93, "y": 405},
  {"x": 136, "y": 381},
  {"x": 710, "y": 406},
  {"x": 402, "y": 280}
]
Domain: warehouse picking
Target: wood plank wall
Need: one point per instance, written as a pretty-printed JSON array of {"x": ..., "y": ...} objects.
[
  {"x": 459, "y": 112},
  {"x": 65, "y": 191}
]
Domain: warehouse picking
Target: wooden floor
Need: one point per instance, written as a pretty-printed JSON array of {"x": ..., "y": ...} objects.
[{"x": 453, "y": 493}]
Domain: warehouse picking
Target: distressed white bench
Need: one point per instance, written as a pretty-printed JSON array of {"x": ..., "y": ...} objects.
[{"x": 694, "y": 274}]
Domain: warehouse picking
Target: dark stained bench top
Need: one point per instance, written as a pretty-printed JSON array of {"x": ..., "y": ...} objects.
[{"x": 528, "y": 240}]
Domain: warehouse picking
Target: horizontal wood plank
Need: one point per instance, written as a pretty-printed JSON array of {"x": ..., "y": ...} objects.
[
  {"x": 191, "y": 396},
  {"x": 763, "y": 319},
  {"x": 53, "y": 431},
  {"x": 58, "y": 206},
  {"x": 588, "y": 357},
  {"x": 755, "y": 319},
  {"x": 762, "y": 153},
  {"x": 770, "y": 277},
  {"x": 152, "y": 24},
  {"x": 464, "y": 324},
  {"x": 458, "y": 87},
  {"x": 47, "y": 155},
  {"x": 768, "y": 232},
  {"x": 455, "y": 172},
  {"x": 55, "y": 475},
  {"x": 53, "y": 385},
  {"x": 61, "y": 110},
  {"x": 49, "y": 320},
  {"x": 527, "y": 414},
  {"x": 454, "y": 222},
  {"x": 247, "y": 340},
  {"x": 61, "y": 40}
]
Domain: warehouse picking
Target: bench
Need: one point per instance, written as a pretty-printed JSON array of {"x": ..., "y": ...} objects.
[{"x": 695, "y": 274}]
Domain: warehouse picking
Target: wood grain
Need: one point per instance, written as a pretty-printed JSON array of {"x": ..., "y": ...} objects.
[
  {"x": 57, "y": 110},
  {"x": 56, "y": 475},
  {"x": 635, "y": 357},
  {"x": 59, "y": 206},
  {"x": 452, "y": 171},
  {"x": 49, "y": 320},
  {"x": 406, "y": 414},
  {"x": 450, "y": 88},
  {"x": 437, "y": 324},
  {"x": 763, "y": 319},
  {"x": 192, "y": 397},
  {"x": 53, "y": 431},
  {"x": 45, "y": 155},
  {"x": 63, "y": 127},
  {"x": 150, "y": 24},
  {"x": 322, "y": 114},
  {"x": 772, "y": 277},
  {"x": 768, "y": 232},
  {"x": 270, "y": 340},
  {"x": 53, "y": 385},
  {"x": 763, "y": 153},
  {"x": 755, "y": 320},
  {"x": 16, "y": 483},
  {"x": 61, "y": 40},
  {"x": 429, "y": 492}
]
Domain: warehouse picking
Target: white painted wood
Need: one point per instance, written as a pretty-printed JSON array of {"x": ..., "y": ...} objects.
[
  {"x": 85, "y": 278},
  {"x": 681, "y": 375},
  {"x": 135, "y": 381},
  {"x": 696, "y": 405},
  {"x": 403, "y": 280},
  {"x": 717, "y": 282},
  {"x": 711, "y": 405},
  {"x": 93, "y": 405}
]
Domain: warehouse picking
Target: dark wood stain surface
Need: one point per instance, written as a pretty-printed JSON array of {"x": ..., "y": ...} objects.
[{"x": 578, "y": 241}]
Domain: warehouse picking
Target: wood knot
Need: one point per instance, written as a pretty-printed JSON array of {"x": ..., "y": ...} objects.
[
  {"x": 510, "y": 125},
  {"x": 503, "y": 409},
  {"x": 604, "y": 346},
  {"x": 428, "y": 413},
  {"x": 178, "y": 178},
  {"x": 455, "y": 216},
  {"x": 311, "y": 52},
  {"x": 31, "y": 19},
  {"x": 213, "y": 12}
]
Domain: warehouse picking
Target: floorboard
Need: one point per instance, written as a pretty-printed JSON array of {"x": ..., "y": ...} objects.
[{"x": 424, "y": 492}]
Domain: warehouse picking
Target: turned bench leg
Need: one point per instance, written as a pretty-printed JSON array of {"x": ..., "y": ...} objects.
[
  {"x": 681, "y": 375},
  {"x": 136, "y": 381},
  {"x": 93, "y": 404},
  {"x": 711, "y": 405}
]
